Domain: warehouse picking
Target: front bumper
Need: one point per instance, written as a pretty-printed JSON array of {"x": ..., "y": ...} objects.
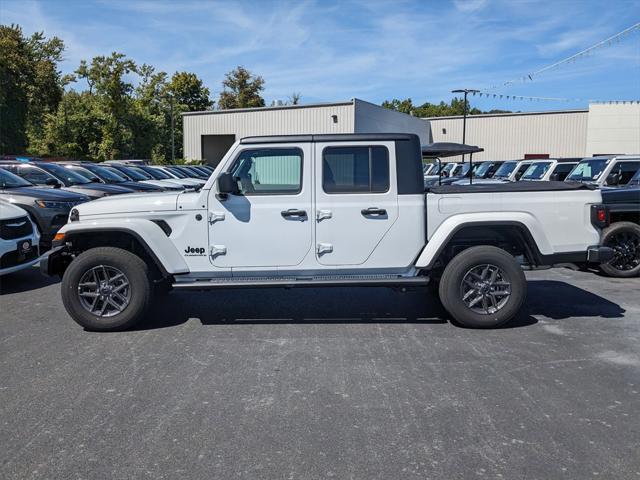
[
  {"x": 12, "y": 260},
  {"x": 55, "y": 261},
  {"x": 599, "y": 254}
]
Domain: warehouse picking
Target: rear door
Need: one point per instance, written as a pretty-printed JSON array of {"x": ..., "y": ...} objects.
[{"x": 356, "y": 199}]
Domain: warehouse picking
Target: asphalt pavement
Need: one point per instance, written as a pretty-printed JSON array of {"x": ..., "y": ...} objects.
[{"x": 347, "y": 383}]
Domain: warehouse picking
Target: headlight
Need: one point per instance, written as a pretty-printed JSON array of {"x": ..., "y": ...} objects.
[{"x": 59, "y": 205}]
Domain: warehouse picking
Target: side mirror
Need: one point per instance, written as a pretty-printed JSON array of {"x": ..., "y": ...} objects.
[
  {"x": 613, "y": 179},
  {"x": 95, "y": 180},
  {"x": 52, "y": 182},
  {"x": 554, "y": 177},
  {"x": 227, "y": 184}
]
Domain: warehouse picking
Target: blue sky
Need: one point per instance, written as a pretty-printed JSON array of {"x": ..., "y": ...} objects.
[{"x": 374, "y": 50}]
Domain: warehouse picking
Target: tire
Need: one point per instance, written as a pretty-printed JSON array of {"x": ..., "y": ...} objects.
[
  {"x": 80, "y": 281},
  {"x": 465, "y": 276},
  {"x": 624, "y": 238}
]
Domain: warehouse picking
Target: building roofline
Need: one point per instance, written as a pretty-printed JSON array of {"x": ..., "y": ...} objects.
[
  {"x": 275, "y": 107},
  {"x": 512, "y": 114},
  {"x": 329, "y": 137}
]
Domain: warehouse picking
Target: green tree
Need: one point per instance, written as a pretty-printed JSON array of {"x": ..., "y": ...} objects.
[
  {"x": 241, "y": 90},
  {"x": 442, "y": 109},
  {"x": 107, "y": 78},
  {"x": 31, "y": 85},
  {"x": 189, "y": 95}
]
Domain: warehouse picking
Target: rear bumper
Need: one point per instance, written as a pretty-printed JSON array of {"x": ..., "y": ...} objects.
[{"x": 599, "y": 254}]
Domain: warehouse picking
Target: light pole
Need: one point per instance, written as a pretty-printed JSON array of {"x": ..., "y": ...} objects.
[
  {"x": 173, "y": 145},
  {"x": 466, "y": 92}
]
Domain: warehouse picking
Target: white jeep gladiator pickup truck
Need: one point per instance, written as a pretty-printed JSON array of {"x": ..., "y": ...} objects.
[{"x": 323, "y": 210}]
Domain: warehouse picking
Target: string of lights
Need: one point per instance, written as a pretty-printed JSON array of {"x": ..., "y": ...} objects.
[
  {"x": 549, "y": 99},
  {"x": 607, "y": 42}
]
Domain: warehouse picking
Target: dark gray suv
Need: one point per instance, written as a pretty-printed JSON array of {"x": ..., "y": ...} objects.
[{"x": 48, "y": 208}]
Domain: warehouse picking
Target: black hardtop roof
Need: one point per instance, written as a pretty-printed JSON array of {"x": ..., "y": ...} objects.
[{"x": 330, "y": 137}]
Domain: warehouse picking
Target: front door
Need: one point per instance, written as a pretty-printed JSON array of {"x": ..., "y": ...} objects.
[
  {"x": 356, "y": 200},
  {"x": 268, "y": 224}
]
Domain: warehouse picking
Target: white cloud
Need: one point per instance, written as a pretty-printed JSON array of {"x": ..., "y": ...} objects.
[{"x": 470, "y": 5}]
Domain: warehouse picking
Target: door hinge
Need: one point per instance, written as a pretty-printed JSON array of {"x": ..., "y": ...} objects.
[
  {"x": 322, "y": 214},
  {"x": 217, "y": 250},
  {"x": 215, "y": 217},
  {"x": 323, "y": 248}
]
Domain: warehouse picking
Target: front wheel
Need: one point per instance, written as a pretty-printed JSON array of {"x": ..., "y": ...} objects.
[
  {"x": 106, "y": 289},
  {"x": 624, "y": 238},
  {"x": 483, "y": 287}
]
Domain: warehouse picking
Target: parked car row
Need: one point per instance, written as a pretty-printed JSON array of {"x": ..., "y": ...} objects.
[
  {"x": 601, "y": 170},
  {"x": 44, "y": 193},
  {"x": 618, "y": 177}
]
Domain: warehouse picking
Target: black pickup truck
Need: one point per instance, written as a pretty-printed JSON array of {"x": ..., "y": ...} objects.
[{"x": 623, "y": 234}]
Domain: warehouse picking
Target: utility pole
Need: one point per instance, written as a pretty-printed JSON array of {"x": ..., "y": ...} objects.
[
  {"x": 466, "y": 91},
  {"x": 173, "y": 133}
]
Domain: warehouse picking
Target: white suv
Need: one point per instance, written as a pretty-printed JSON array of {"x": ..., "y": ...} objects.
[
  {"x": 610, "y": 171},
  {"x": 19, "y": 239},
  {"x": 550, "y": 169}
]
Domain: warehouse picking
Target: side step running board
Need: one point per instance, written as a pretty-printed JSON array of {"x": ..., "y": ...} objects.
[{"x": 364, "y": 281}]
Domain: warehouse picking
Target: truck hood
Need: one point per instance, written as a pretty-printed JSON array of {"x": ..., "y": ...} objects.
[{"x": 130, "y": 203}]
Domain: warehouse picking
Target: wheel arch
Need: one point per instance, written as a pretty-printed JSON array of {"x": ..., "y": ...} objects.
[
  {"x": 149, "y": 241},
  {"x": 513, "y": 236}
]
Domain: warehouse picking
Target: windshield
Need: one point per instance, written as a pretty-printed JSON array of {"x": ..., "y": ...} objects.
[
  {"x": 536, "y": 171},
  {"x": 109, "y": 175},
  {"x": 482, "y": 169},
  {"x": 176, "y": 171},
  {"x": 133, "y": 173},
  {"x": 190, "y": 171},
  {"x": 587, "y": 171},
  {"x": 141, "y": 172},
  {"x": 448, "y": 167},
  {"x": 463, "y": 170},
  {"x": 67, "y": 176},
  {"x": 9, "y": 180},
  {"x": 505, "y": 169},
  {"x": 156, "y": 173}
]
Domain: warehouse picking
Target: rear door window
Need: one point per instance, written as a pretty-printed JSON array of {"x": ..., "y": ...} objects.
[{"x": 355, "y": 169}]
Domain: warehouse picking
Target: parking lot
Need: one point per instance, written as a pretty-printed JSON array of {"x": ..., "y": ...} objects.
[{"x": 333, "y": 383}]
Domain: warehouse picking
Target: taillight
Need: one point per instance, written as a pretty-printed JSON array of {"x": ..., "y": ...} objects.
[{"x": 599, "y": 216}]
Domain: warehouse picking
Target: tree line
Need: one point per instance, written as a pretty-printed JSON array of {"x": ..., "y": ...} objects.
[
  {"x": 442, "y": 109},
  {"x": 112, "y": 107}
]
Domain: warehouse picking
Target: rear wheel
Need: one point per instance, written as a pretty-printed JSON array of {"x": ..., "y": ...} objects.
[
  {"x": 483, "y": 287},
  {"x": 106, "y": 289},
  {"x": 624, "y": 239}
]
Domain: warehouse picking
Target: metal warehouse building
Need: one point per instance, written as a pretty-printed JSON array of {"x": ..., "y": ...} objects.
[
  {"x": 602, "y": 129},
  {"x": 208, "y": 135}
]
